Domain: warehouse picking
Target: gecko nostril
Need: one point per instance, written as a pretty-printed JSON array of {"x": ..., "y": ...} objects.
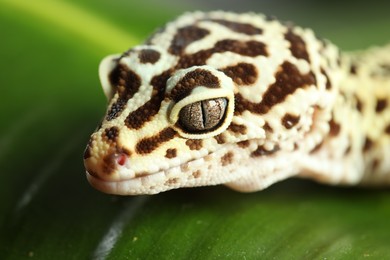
[{"x": 121, "y": 159}]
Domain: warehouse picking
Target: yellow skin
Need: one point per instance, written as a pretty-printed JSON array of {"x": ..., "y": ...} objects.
[{"x": 241, "y": 100}]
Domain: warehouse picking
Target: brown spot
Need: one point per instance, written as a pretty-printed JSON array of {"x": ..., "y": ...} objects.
[
  {"x": 348, "y": 150},
  {"x": 171, "y": 153},
  {"x": 87, "y": 152},
  {"x": 381, "y": 104},
  {"x": 367, "y": 144},
  {"x": 261, "y": 151},
  {"x": 317, "y": 147},
  {"x": 359, "y": 104},
  {"x": 297, "y": 45},
  {"x": 172, "y": 181},
  {"x": 196, "y": 174},
  {"x": 184, "y": 37},
  {"x": 387, "y": 129},
  {"x": 149, "y": 56},
  {"x": 238, "y": 129},
  {"x": 243, "y": 144},
  {"x": 143, "y": 114},
  {"x": 194, "y": 144},
  {"x": 111, "y": 133},
  {"x": 227, "y": 158},
  {"x": 249, "y": 48},
  {"x": 334, "y": 127},
  {"x": 220, "y": 139},
  {"x": 192, "y": 79},
  {"x": 288, "y": 80},
  {"x": 108, "y": 165},
  {"x": 127, "y": 83},
  {"x": 328, "y": 85},
  {"x": 289, "y": 120},
  {"x": 268, "y": 128},
  {"x": 149, "y": 144},
  {"x": 244, "y": 28},
  {"x": 353, "y": 69},
  {"x": 242, "y": 73}
]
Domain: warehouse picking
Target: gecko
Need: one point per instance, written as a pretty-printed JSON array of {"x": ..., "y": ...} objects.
[{"x": 242, "y": 100}]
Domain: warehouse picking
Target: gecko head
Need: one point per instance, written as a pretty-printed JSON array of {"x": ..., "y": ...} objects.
[
  {"x": 161, "y": 124},
  {"x": 244, "y": 119}
]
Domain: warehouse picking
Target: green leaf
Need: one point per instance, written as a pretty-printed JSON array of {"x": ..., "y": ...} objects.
[{"x": 51, "y": 102}]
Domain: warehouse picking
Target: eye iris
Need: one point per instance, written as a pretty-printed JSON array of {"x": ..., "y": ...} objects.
[{"x": 203, "y": 115}]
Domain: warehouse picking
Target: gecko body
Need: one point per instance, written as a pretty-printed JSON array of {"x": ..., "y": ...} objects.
[{"x": 241, "y": 100}]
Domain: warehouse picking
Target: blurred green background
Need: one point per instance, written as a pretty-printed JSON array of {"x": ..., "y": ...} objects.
[{"x": 51, "y": 101}]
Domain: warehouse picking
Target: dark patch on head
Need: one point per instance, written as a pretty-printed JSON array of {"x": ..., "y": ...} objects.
[
  {"x": 338, "y": 61},
  {"x": 353, "y": 69},
  {"x": 171, "y": 153},
  {"x": 381, "y": 105},
  {"x": 368, "y": 143},
  {"x": 261, "y": 151},
  {"x": 184, "y": 37},
  {"x": 111, "y": 133},
  {"x": 108, "y": 165},
  {"x": 194, "y": 144},
  {"x": 348, "y": 149},
  {"x": 220, "y": 139},
  {"x": 149, "y": 56},
  {"x": 288, "y": 80},
  {"x": 268, "y": 128},
  {"x": 242, "y": 73},
  {"x": 172, "y": 181},
  {"x": 317, "y": 147},
  {"x": 87, "y": 152},
  {"x": 227, "y": 158},
  {"x": 248, "y": 48},
  {"x": 334, "y": 127},
  {"x": 289, "y": 120},
  {"x": 297, "y": 45},
  {"x": 127, "y": 83},
  {"x": 328, "y": 85},
  {"x": 387, "y": 129},
  {"x": 143, "y": 114},
  {"x": 197, "y": 174},
  {"x": 359, "y": 104},
  {"x": 197, "y": 77},
  {"x": 238, "y": 129},
  {"x": 244, "y": 28},
  {"x": 243, "y": 144},
  {"x": 149, "y": 144}
]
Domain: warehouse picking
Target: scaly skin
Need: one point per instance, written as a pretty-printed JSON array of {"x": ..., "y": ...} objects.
[{"x": 241, "y": 100}]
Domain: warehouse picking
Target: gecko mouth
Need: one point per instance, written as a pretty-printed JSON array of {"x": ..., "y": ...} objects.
[
  {"x": 189, "y": 174},
  {"x": 134, "y": 186}
]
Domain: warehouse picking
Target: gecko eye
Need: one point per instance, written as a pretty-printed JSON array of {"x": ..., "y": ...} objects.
[
  {"x": 204, "y": 115},
  {"x": 200, "y": 102}
]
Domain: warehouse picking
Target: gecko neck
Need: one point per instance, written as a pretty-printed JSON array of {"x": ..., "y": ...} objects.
[{"x": 359, "y": 137}]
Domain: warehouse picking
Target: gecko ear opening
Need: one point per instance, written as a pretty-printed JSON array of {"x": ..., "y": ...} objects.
[{"x": 106, "y": 66}]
